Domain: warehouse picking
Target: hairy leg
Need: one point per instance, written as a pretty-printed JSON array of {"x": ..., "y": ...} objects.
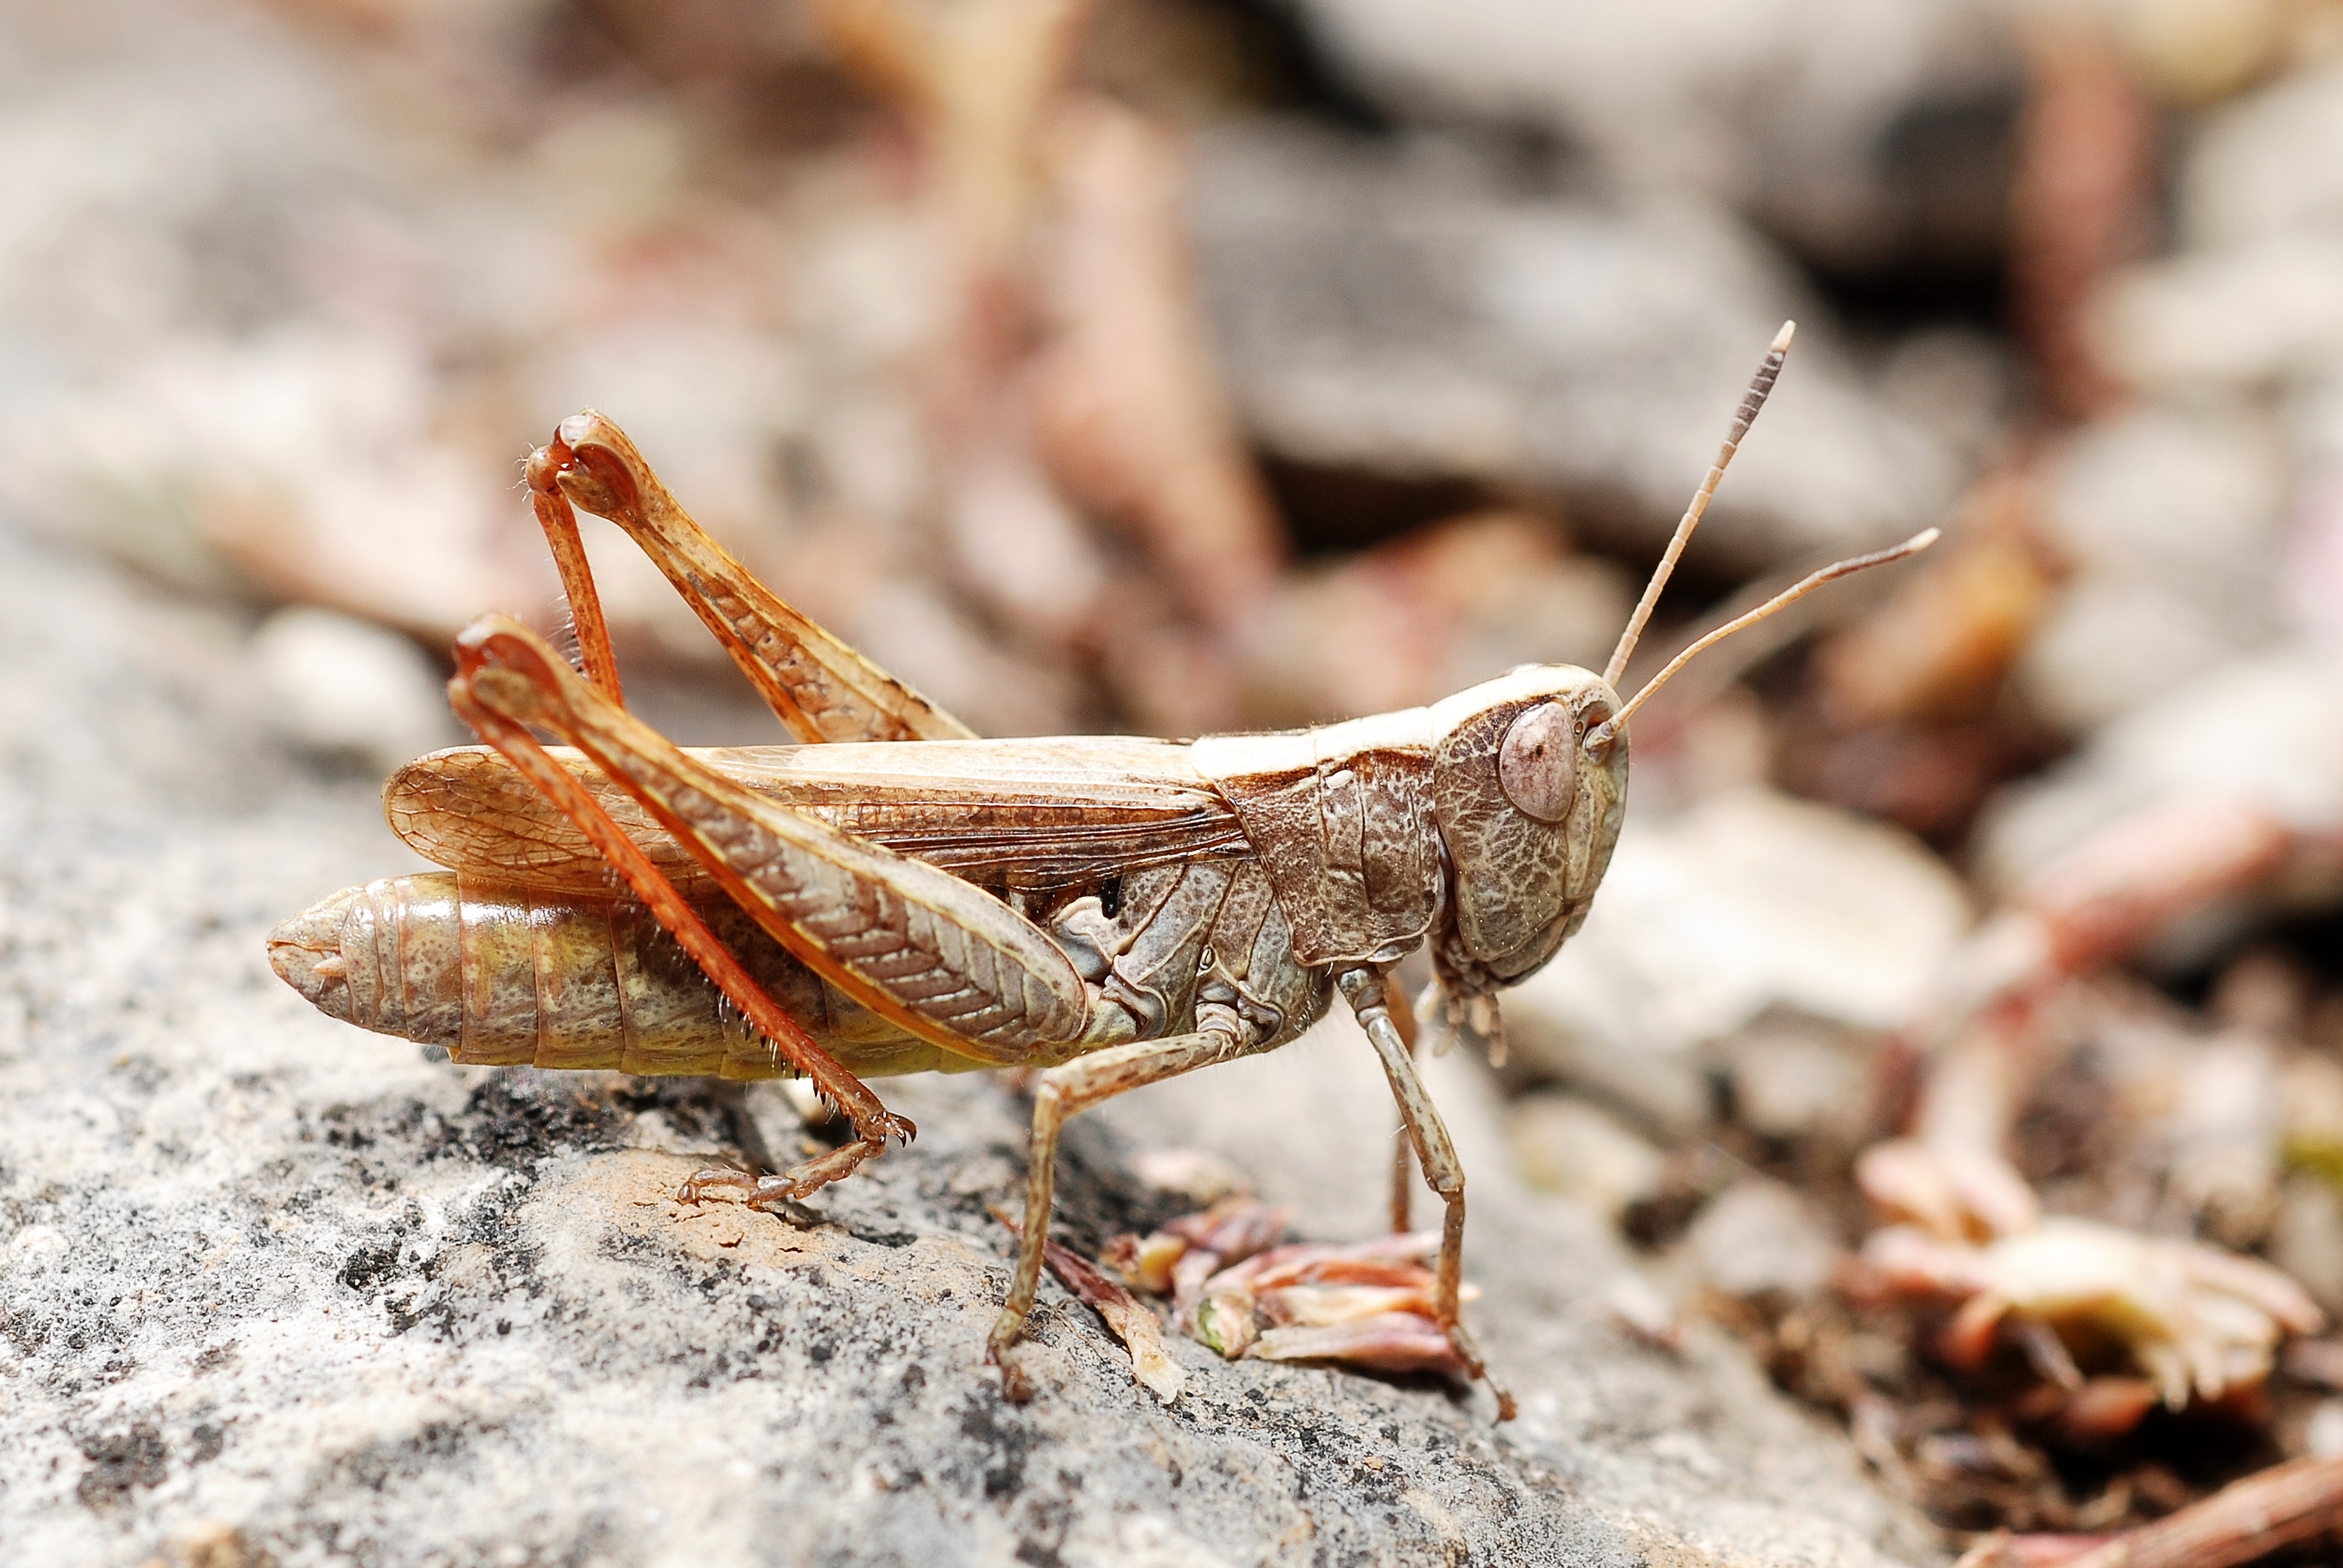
[
  {"x": 1363, "y": 988},
  {"x": 1063, "y": 1093},
  {"x": 559, "y": 521},
  {"x": 819, "y": 686}
]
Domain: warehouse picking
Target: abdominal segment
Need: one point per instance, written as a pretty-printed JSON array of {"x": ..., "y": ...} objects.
[{"x": 507, "y": 976}]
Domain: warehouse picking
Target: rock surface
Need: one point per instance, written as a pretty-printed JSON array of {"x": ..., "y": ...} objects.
[
  {"x": 1866, "y": 131},
  {"x": 1751, "y": 901},
  {"x": 1392, "y": 307},
  {"x": 279, "y": 1292}
]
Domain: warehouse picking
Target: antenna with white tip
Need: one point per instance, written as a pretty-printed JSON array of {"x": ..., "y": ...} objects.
[{"x": 1760, "y": 385}]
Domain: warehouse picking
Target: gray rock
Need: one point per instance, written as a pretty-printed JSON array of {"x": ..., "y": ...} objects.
[
  {"x": 1760, "y": 1238},
  {"x": 1866, "y": 130},
  {"x": 1583, "y": 1155},
  {"x": 2267, "y": 167},
  {"x": 2247, "y": 318},
  {"x": 2280, "y": 716},
  {"x": 1797, "y": 1077},
  {"x": 2307, "y": 1239},
  {"x": 2114, "y": 642},
  {"x": 1748, "y": 902},
  {"x": 1392, "y": 307},
  {"x": 278, "y": 1287},
  {"x": 2193, "y": 496},
  {"x": 2252, "y": 299},
  {"x": 271, "y": 324},
  {"x": 343, "y": 688},
  {"x": 2171, "y": 514}
]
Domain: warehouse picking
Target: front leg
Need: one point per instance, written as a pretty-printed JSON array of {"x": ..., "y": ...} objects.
[
  {"x": 1362, "y": 988},
  {"x": 1064, "y": 1092}
]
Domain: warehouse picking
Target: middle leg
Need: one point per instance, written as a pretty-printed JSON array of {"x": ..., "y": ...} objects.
[
  {"x": 1065, "y": 1092},
  {"x": 1402, "y": 1169}
]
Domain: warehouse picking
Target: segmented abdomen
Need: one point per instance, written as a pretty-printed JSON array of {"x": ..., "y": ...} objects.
[{"x": 501, "y": 975}]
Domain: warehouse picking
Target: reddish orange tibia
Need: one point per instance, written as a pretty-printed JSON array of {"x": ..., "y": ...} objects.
[
  {"x": 491, "y": 649},
  {"x": 559, "y": 520}
]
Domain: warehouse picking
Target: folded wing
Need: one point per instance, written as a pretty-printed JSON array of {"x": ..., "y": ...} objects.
[{"x": 1013, "y": 814}]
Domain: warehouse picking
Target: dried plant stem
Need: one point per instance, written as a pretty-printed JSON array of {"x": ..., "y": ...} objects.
[{"x": 2239, "y": 1523}]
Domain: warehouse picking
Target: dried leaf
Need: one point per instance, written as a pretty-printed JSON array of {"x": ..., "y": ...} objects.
[
  {"x": 1938, "y": 648},
  {"x": 1226, "y": 1323},
  {"x": 1387, "y": 1342},
  {"x": 1129, "y": 1320},
  {"x": 1318, "y": 1306},
  {"x": 1234, "y": 1227},
  {"x": 1145, "y": 1262}
]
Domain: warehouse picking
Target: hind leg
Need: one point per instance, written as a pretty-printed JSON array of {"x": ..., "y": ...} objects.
[
  {"x": 819, "y": 686},
  {"x": 872, "y": 1123}
]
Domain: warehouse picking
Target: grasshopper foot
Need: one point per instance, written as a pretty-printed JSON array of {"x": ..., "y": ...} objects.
[
  {"x": 760, "y": 1191},
  {"x": 999, "y": 1351},
  {"x": 814, "y": 1174},
  {"x": 1478, "y": 1370}
]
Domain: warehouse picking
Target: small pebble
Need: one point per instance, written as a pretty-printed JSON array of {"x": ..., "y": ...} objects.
[{"x": 343, "y": 689}]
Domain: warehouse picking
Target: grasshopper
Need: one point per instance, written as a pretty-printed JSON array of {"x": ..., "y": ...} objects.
[{"x": 1110, "y": 912}]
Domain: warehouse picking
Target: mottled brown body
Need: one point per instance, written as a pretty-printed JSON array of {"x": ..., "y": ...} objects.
[
  {"x": 1350, "y": 819},
  {"x": 504, "y": 975},
  {"x": 1023, "y": 814}
]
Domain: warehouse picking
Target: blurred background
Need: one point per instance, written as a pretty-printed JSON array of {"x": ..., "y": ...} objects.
[{"x": 1174, "y": 366}]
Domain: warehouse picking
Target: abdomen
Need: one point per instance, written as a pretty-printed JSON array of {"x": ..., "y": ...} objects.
[{"x": 502, "y": 975}]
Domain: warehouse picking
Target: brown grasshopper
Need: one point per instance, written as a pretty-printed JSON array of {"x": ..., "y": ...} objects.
[{"x": 1111, "y": 911}]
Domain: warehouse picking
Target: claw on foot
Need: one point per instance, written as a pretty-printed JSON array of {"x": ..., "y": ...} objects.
[
  {"x": 820, "y": 1171},
  {"x": 1477, "y": 1370},
  {"x": 765, "y": 1194}
]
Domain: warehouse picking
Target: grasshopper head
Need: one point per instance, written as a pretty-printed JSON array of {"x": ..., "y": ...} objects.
[
  {"x": 1528, "y": 811},
  {"x": 1530, "y": 775},
  {"x": 1530, "y": 787}
]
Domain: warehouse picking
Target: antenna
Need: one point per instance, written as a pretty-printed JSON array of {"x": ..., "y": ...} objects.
[
  {"x": 1751, "y": 401},
  {"x": 1601, "y": 735}
]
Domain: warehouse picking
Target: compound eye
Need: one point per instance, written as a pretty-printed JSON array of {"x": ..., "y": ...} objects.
[{"x": 1536, "y": 765}]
